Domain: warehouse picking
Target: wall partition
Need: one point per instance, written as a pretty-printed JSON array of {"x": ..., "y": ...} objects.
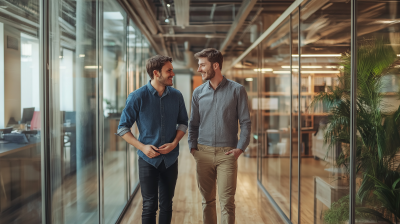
[
  {"x": 21, "y": 107},
  {"x": 323, "y": 84},
  {"x": 67, "y": 70}
]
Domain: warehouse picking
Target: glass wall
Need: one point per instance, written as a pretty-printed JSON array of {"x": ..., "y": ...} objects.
[
  {"x": 73, "y": 79},
  {"x": 20, "y": 113},
  {"x": 303, "y": 110},
  {"x": 325, "y": 29},
  {"x": 377, "y": 120},
  {"x": 133, "y": 83},
  {"x": 114, "y": 96},
  {"x": 61, "y": 96}
]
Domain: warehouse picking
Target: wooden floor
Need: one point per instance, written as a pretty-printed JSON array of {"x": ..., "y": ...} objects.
[{"x": 251, "y": 205}]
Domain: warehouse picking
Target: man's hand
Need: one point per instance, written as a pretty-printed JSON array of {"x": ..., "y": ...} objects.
[
  {"x": 150, "y": 151},
  {"x": 236, "y": 152},
  {"x": 192, "y": 150},
  {"x": 166, "y": 148}
]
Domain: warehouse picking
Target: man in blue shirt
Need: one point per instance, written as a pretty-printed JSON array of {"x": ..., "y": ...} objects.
[{"x": 162, "y": 120}]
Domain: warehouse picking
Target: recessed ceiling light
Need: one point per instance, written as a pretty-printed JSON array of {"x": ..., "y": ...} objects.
[
  {"x": 249, "y": 79},
  {"x": 305, "y": 66},
  {"x": 323, "y": 72},
  {"x": 81, "y": 55},
  {"x": 317, "y": 55},
  {"x": 167, "y": 20},
  {"x": 263, "y": 69},
  {"x": 91, "y": 67},
  {"x": 168, "y": 5},
  {"x": 308, "y": 72},
  {"x": 281, "y": 72}
]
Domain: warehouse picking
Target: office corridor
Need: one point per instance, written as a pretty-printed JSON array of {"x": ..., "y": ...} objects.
[{"x": 187, "y": 201}]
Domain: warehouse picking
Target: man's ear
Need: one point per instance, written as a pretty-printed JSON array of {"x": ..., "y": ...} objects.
[
  {"x": 215, "y": 65},
  {"x": 156, "y": 73}
]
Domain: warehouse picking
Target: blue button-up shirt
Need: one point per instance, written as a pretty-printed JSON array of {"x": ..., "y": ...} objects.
[{"x": 158, "y": 119}]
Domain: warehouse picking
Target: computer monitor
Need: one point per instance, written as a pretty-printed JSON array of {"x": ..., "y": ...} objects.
[{"x": 27, "y": 114}]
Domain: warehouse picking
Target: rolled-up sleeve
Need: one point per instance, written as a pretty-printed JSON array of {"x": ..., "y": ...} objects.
[
  {"x": 244, "y": 119},
  {"x": 182, "y": 124},
  {"x": 194, "y": 122},
  {"x": 128, "y": 116}
]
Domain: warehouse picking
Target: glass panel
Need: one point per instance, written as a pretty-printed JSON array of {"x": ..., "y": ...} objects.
[
  {"x": 325, "y": 37},
  {"x": 114, "y": 97},
  {"x": 246, "y": 75},
  {"x": 20, "y": 123},
  {"x": 73, "y": 103},
  {"x": 133, "y": 82},
  {"x": 378, "y": 133},
  {"x": 294, "y": 117},
  {"x": 275, "y": 110}
]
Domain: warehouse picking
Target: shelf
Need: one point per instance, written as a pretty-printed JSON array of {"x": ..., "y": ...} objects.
[{"x": 293, "y": 114}]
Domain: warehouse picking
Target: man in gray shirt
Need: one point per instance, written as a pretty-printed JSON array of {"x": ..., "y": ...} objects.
[{"x": 217, "y": 106}]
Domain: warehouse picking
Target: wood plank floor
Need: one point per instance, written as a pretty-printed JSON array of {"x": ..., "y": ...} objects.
[{"x": 251, "y": 205}]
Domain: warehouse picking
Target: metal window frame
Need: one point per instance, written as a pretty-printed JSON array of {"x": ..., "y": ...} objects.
[
  {"x": 45, "y": 110},
  {"x": 99, "y": 111},
  {"x": 299, "y": 141},
  {"x": 353, "y": 111},
  {"x": 291, "y": 117}
]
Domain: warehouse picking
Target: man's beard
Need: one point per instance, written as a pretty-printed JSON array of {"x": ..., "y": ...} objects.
[
  {"x": 164, "y": 81},
  {"x": 210, "y": 74}
]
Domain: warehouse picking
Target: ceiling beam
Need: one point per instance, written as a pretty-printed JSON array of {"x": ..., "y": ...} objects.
[
  {"x": 247, "y": 28},
  {"x": 244, "y": 11},
  {"x": 140, "y": 24},
  {"x": 238, "y": 2},
  {"x": 212, "y": 11},
  {"x": 265, "y": 34}
]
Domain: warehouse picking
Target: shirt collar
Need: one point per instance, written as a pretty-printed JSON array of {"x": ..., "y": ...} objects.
[
  {"x": 154, "y": 91},
  {"x": 222, "y": 83}
]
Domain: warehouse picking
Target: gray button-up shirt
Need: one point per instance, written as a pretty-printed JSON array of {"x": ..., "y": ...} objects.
[{"x": 215, "y": 114}]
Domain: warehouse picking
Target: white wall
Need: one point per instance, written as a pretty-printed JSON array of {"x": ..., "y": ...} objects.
[
  {"x": 30, "y": 93},
  {"x": 67, "y": 81},
  {"x": 12, "y": 76},
  {"x": 183, "y": 84}
]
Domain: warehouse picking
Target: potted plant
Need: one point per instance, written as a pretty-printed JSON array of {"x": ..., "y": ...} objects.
[{"x": 378, "y": 130}]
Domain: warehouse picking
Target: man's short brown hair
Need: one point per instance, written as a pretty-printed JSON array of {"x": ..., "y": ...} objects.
[
  {"x": 213, "y": 55},
  {"x": 156, "y": 63}
]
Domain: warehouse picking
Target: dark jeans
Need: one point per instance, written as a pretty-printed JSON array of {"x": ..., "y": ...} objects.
[{"x": 153, "y": 182}]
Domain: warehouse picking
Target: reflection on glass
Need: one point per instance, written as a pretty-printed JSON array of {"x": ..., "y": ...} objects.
[
  {"x": 114, "y": 97},
  {"x": 378, "y": 77},
  {"x": 72, "y": 118},
  {"x": 20, "y": 139},
  {"x": 274, "y": 108}
]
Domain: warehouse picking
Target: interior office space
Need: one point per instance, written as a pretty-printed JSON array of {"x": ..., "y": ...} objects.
[{"x": 69, "y": 65}]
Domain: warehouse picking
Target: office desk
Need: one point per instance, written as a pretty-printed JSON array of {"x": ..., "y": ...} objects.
[
  {"x": 9, "y": 148},
  {"x": 19, "y": 172}
]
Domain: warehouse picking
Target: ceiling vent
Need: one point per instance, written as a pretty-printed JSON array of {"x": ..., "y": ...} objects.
[{"x": 182, "y": 12}]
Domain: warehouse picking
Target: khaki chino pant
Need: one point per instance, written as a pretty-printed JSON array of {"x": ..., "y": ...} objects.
[{"x": 215, "y": 168}]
